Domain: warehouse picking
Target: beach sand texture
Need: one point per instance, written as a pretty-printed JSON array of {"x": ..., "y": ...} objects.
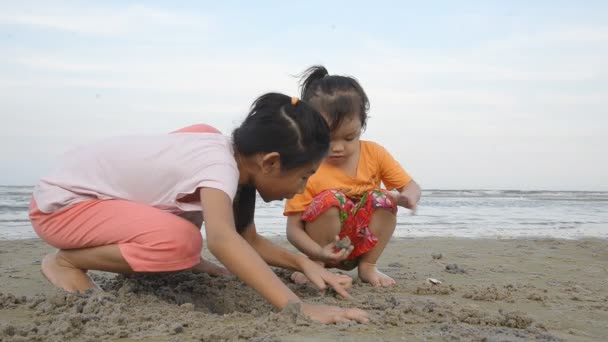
[{"x": 491, "y": 290}]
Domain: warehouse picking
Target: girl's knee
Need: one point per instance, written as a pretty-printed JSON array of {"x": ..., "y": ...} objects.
[
  {"x": 324, "y": 227},
  {"x": 330, "y": 213},
  {"x": 385, "y": 215},
  {"x": 387, "y": 211},
  {"x": 383, "y": 221},
  {"x": 381, "y": 199},
  {"x": 188, "y": 241},
  {"x": 327, "y": 203}
]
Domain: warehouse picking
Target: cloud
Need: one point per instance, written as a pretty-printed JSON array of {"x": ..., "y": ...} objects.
[
  {"x": 463, "y": 68},
  {"x": 553, "y": 54},
  {"x": 561, "y": 36},
  {"x": 161, "y": 73},
  {"x": 103, "y": 21}
]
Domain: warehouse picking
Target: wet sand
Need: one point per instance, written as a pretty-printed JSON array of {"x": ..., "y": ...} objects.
[{"x": 491, "y": 290}]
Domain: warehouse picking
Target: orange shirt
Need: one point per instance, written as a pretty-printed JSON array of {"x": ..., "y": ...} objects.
[{"x": 375, "y": 165}]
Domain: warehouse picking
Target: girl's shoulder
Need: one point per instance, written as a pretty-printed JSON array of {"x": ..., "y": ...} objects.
[{"x": 372, "y": 149}]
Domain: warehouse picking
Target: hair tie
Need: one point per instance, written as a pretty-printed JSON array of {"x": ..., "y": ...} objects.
[{"x": 294, "y": 101}]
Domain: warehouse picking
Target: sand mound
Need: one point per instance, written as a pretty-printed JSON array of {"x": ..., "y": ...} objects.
[{"x": 186, "y": 306}]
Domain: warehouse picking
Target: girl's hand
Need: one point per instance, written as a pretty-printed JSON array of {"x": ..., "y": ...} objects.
[
  {"x": 332, "y": 314},
  {"x": 331, "y": 255},
  {"x": 405, "y": 200},
  {"x": 408, "y": 196},
  {"x": 321, "y": 278}
]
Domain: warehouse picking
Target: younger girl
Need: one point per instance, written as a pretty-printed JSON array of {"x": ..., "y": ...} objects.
[
  {"x": 344, "y": 198},
  {"x": 116, "y": 205}
]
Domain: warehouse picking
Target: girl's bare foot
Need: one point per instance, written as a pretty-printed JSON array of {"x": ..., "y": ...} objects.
[
  {"x": 299, "y": 278},
  {"x": 64, "y": 275},
  {"x": 210, "y": 268},
  {"x": 370, "y": 274}
]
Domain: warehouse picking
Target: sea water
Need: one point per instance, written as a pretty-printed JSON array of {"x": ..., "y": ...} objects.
[{"x": 456, "y": 213}]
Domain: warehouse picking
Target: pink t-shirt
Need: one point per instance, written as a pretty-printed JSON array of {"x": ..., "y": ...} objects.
[{"x": 154, "y": 170}]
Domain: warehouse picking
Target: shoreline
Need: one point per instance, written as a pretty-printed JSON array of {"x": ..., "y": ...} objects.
[
  {"x": 515, "y": 289},
  {"x": 279, "y": 237}
]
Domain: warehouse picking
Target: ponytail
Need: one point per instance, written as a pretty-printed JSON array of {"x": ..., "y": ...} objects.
[
  {"x": 310, "y": 76},
  {"x": 336, "y": 97}
]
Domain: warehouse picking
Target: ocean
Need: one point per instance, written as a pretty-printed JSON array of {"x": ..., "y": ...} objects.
[{"x": 455, "y": 213}]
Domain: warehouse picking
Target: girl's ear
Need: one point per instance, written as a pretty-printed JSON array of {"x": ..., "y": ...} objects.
[{"x": 270, "y": 162}]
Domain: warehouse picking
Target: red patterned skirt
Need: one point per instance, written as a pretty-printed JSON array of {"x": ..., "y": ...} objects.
[{"x": 355, "y": 217}]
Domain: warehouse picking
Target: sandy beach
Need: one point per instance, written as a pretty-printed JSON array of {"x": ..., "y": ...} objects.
[{"x": 491, "y": 290}]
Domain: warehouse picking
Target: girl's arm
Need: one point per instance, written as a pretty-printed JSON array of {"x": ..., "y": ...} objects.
[
  {"x": 280, "y": 257},
  {"x": 393, "y": 175},
  {"x": 409, "y": 195},
  {"x": 271, "y": 253},
  {"x": 235, "y": 253},
  {"x": 298, "y": 237},
  {"x": 242, "y": 260}
]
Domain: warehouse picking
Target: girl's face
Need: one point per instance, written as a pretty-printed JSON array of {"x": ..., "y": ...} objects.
[
  {"x": 274, "y": 184},
  {"x": 344, "y": 141}
]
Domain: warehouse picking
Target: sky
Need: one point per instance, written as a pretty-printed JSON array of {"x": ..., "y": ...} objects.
[{"x": 465, "y": 94}]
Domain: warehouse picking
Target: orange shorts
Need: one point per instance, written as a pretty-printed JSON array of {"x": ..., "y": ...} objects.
[{"x": 150, "y": 239}]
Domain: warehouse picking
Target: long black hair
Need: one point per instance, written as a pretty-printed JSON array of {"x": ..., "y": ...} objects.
[
  {"x": 278, "y": 123},
  {"x": 338, "y": 97}
]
